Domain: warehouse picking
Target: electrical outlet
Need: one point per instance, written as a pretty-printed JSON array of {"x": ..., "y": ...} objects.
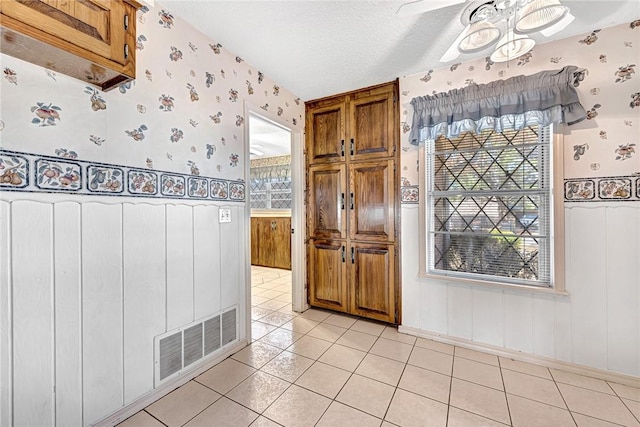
[{"x": 225, "y": 215}]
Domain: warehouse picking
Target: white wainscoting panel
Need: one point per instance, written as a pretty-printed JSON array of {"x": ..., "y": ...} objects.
[
  {"x": 179, "y": 265},
  {"x": 68, "y": 314},
  {"x": 596, "y": 325},
  {"x": 144, "y": 293},
  {"x": 102, "y": 299},
  {"x": 33, "y": 341},
  {"x": 6, "y": 378},
  {"x": 206, "y": 261},
  {"x": 623, "y": 280}
]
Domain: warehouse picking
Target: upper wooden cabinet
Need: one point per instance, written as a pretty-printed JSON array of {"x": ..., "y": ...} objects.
[
  {"x": 354, "y": 126},
  {"x": 92, "y": 40}
]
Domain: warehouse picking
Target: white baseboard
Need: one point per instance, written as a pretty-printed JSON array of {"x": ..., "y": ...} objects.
[
  {"x": 161, "y": 391},
  {"x": 547, "y": 362}
]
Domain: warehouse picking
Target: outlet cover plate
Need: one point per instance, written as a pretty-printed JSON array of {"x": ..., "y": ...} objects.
[{"x": 225, "y": 215}]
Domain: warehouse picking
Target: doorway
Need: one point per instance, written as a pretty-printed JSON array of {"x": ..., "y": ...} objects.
[{"x": 274, "y": 175}]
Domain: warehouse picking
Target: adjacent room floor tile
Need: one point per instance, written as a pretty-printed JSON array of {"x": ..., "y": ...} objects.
[
  {"x": 343, "y": 415},
  {"x": 391, "y": 333},
  {"x": 324, "y": 379},
  {"x": 585, "y": 421},
  {"x": 281, "y": 338},
  {"x": 141, "y": 419},
  {"x": 477, "y": 372},
  {"x": 358, "y": 340},
  {"x": 225, "y": 375},
  {"x": 477, "y": 356},
  {"x": 381, "y": 369},
  {"x": 408, "y": 409},
  {"x": 480, "y": 400},
  {"x": 182, "y": 404},
  {"x": 258, "y": 391},
  {"x": 327, "y": 332},
  {"x": 224, "y": 413},
  {"x": 366, "y": 395},
  {"x": 297, "y": 407},
  {"x": 460, "y": 418},
  {"x": 426, "y": 383},
  {"x": 392, "y": 349},
  {"x": 432, "y": 360},
  {"x": 264, "y": 422},
  {"x": 598, "y": 405},
  {"x": 581, "y": 381},
  {"x": 534, "y": 388},
  {"x": 529, "y": 413},
  {"x": 368, "y": 327},
  {"x": 300, "y": 324},
  {"x": 525, "y": 368},
  {"x": 287, "y": 366},
  {"x": 341, "y": 320},
  {"x": 435, "y": 346},
  {"x": 259, "y": 329},
  {"x": 309, "y": 347},
  {"x": 315, "y": 314},
  {"x": 257, "y": 354},
  {"x": 343, "y": 357}
]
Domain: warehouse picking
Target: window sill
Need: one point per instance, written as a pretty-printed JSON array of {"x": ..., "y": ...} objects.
[{"x": 494, "y": 285}]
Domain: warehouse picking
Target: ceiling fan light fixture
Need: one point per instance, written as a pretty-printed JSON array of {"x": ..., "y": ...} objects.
[
  {"x": 512, "y": 46},
  {"x": 479, "y": 36},
  {"x": 538, "y": 15}
]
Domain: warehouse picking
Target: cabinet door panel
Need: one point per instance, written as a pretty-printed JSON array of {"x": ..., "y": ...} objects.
[
  {"x": 90, "y": 24},
  {"x": 326, "y": 210},
  {"x": 372, "y": 281},
  {"x": 371, "y": 127},
  {"x": 281, "y": 236},
  {"x": 327, "y": 274},
  {"x": 372, "y": 201},
  {"x": 325, "y": 133},
  {"x": 255, "y": 241}
]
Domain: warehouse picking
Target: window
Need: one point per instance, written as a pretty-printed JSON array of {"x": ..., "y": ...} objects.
[
  {"x": 489, "y": 207},
  {"x": 271, "y": 194}
]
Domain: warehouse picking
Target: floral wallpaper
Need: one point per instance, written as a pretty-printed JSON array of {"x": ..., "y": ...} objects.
[
  {"x": 601, "y": 154},
  {"x": 183, "y": 114}
]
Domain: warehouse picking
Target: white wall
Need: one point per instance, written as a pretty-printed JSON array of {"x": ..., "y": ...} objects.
[{"x": 598, "y": 324}]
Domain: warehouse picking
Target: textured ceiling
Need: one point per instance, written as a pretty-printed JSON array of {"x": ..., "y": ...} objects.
[{"x": 320, "y": 48}]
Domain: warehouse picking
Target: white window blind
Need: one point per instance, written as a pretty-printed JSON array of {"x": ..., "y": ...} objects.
[{"x": 489, "y": 206}]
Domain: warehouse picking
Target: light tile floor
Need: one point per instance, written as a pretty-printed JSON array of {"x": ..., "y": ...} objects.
[{"x": 324, "y": 369}]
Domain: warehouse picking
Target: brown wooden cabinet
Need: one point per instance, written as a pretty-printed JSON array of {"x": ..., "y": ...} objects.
[
  {"x": 271, "y": 242},
  {"x": 352, "y": 203},
  {"x": 92, "y": 40}
]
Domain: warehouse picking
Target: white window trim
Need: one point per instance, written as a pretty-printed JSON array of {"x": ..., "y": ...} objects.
[{"x": 557, "y": 226}]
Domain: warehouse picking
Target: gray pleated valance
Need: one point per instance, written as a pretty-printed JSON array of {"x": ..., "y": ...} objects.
[{"x": 543, "y": 98}]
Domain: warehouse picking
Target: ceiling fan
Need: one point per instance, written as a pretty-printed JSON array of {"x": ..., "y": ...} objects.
[{"x": 504, "y": 24}]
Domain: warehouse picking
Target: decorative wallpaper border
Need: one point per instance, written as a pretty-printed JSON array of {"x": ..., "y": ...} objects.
[
  {"x": 37, "y": 173},
  {"x": 606, "y": 189}
]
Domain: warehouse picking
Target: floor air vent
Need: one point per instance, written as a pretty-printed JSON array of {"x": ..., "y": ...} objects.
[{"x": 180, "y": 348}]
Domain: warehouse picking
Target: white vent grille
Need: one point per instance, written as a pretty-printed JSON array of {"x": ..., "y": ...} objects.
[
  {"x": 228, "y": 326},
  {"x": 170, "y": 355},
  {"x": 192, "y": 344},
  {"x": 178, "y": 349},
  {"x": 211, "y": 335}
]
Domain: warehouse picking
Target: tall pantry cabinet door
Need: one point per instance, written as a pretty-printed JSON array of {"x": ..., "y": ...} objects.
[
  {"x": 326, "y": 205},
  {"x": 328, "y": 274},
  {"x": 325, "y": 131},
  {"x": 372, "y": 281},
  {"x": 371, "y": 124},
  {"x": 372, "y": 201}
]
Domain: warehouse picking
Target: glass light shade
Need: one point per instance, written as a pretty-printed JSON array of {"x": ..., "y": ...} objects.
[
  {"x": 538, "y": 15},
  {"x": 512, "y": 46},
  {"x": 480, "y": 35}
]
